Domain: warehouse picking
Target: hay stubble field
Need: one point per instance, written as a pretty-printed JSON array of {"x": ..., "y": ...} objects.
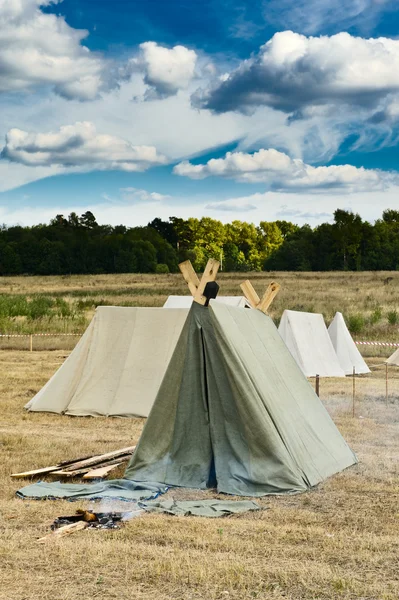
[
  {"x": 65, "y": 304},
  {"x": 337, "y": 541}
]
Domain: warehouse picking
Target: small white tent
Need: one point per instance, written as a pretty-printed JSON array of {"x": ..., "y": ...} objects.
[
  {"x": 306, "y": 336},
  {"x": 186, "y": 301},
  {"x": 117, "y": 366},
  {"x": 393, "y": 359},
  {"x": 345, "y": 348}
]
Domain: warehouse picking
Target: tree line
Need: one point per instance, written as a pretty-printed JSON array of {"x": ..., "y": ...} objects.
[{"x": 78, "y": 245}]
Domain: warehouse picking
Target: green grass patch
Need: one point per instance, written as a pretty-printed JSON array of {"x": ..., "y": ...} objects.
[
  {"x": 355, "y": 323},
  {"x": 393, "y": 317},
  {"x": 376, "y": 315}
]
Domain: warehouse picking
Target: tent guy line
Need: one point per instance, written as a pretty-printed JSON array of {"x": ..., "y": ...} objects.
[
  {"x": 378, "y": 344},
  {"x": 21, "y": 335},
  {"x": 182, "y": 302}
]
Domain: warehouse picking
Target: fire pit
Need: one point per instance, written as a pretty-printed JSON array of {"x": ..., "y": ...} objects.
[{"x": 97, "y": 520}]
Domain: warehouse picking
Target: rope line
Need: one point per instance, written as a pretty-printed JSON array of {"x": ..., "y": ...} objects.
[
  {"x": 15, "y": 335},
  {"x": 20, "y": 335},
  {"x": 378, "y": 344}
]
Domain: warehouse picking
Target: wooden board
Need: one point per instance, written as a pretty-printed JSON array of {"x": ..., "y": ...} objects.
[
  {"x": 84, "y": 470},
  {"x": 45, "y": 470},
  {"x": 36, "y": 472},
  {"x": 101, "y": 471},
  {"x": 78, "y": 472},
  {"x": 63, "y": 473},
  {"x": 73, "y": 468},
  {"x": 96, "y": 460},
  {"x": 63, "y": 531},
  {"x": 210, "y": 273}
]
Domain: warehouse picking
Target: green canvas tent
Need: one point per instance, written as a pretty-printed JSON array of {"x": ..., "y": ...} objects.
[{"x": 235, "y": 411}]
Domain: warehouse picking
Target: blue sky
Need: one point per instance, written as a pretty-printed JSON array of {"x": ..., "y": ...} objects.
[{"x": 235, "y": 110}]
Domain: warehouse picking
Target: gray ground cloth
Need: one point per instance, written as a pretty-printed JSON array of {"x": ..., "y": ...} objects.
[
  {"x": 119, "y": 489},
  {"x": 200, "y": 508}
]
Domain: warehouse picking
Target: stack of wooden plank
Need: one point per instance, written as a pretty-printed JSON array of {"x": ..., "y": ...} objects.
[{"x": 88, "y": 467}]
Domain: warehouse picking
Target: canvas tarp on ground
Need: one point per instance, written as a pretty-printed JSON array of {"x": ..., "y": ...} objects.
[
  {"x": 234, "y": 411},
  {"x": 345, "y": 348},
  {"x": 114, "y": 489},
  {"x": 117, "y": 366},
  {"x": 306, "y": 337},
  {"x": 186, "y": 301},
  {"x": 393, "y": 359}
]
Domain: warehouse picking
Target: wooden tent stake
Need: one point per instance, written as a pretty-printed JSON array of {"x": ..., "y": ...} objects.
[
  {"x": 253, "y": 298},
  {"x": 386, "y": 383},
  {"x": 196, "y": 286}
]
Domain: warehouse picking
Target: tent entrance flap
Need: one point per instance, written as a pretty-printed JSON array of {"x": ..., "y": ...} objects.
[{"x": 212, "y": 480}]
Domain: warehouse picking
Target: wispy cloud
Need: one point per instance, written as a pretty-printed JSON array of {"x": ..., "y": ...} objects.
[
  {"x": 313, "y": 16},
  {"x": 292, "y": 213},
  {"x": 268, "y": 206},
  {"x": 231, "y": 206},
  {"x": 132, "y": 195}
]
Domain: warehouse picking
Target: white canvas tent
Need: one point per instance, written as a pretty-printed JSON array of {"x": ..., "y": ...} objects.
[
  {"x": 393, "y": 359},
  {"x": 345, "y": 348},
  {"x": 306, "y": 336},
  {"x": 186, "y": 301},
  {"x": 117, "y": 366}
]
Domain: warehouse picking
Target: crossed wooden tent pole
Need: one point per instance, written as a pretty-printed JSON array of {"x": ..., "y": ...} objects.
[
  {"x": 263, "y": 303},
  {"x": 197, "y": 286}
]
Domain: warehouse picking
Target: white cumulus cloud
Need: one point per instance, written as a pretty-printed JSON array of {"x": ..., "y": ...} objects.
[
  {"x": 165, "y": 70},
  {"x": 283, "y": 173},
  {"x": 292, "y": 72},
  {"x": 39, "y": 49},
  {"x": 78, "y": 146}
]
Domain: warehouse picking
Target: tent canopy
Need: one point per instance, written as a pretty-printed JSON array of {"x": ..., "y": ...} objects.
[
  {"x": 186, "y": 301},
  {"x": 348, "y": 354},
  {"x": 306, "y": 337},
  {"x": 117, "y": 366},
  {"x": 393, "y": 359},
  {"x": 234, "y": 411}
]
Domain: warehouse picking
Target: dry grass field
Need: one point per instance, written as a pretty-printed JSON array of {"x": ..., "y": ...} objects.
[
  {"x": 337, "y": 541},
  {"x": 371, "y": 296}
]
